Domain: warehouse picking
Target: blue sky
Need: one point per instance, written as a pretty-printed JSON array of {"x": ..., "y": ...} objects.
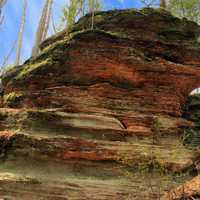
[{"x": 13, "y": 11}]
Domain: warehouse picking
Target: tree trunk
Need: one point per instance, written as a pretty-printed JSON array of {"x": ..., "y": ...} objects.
[
  {"x": 92, "y": 12},
  {"x": 92, "y": 25},
  {"x": 42, "y": 27},
  {"x": 48, "y": 17},
  {"x": 163, "y": 4},
  {"x": 21, "y": 34}
]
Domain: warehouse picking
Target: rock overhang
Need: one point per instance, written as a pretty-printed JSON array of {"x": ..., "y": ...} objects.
[
  {"x": 128, "y": 54},
  {"x": 107, "y": 102}
]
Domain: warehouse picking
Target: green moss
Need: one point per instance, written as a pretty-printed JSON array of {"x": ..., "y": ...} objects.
[
  {"x": 114, "y": 35},
  {"x": 197, "y": 194},
  {"x": 53, "y": 39},
  {"x": 192, "y": 110},
  {"x": 42, "y": 115},
  {"x": 157, "y": 11},
  {"x": 124, "y": 84},
  {"x": 52, "y": 57},
  {"x": 8, "y": 75},
  {"x": 174, "y": 34},
  {"x": 111, "y": 17},
  {"x": 32, "y": 180},
  {"x": 34, "y": 68},
  {"x": 192, "y": 138},
  {"x": 48, "y": 60},
  {"x": 114, "y": 16},
  {"x": 99, "y": 18},
  {"x": 145, "y": 164},
  {"x": 194, "y": 100},
  {"x": 73, "y": 36},
  {"x": 53, "y": 46},
  {"x": 9, "y": 68},
  {"x": 119, "y": 35},
  {"x": 62, "y": 44},
  {"x": 3, "y": 115},
  {"x": 12, "y": 99}
]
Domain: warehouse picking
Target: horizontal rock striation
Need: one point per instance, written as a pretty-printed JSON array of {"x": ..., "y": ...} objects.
[{"x": 100, "y": 114}]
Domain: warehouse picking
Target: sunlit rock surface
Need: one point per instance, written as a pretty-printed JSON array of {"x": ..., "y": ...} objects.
[{"x": 101, "y": 114}]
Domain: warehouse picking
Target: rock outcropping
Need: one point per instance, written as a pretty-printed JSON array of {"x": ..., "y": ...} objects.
[{"x": 98, "y": 114}]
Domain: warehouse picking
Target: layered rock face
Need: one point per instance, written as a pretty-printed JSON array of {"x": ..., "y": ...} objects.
[{"x": 99, "y": 113}]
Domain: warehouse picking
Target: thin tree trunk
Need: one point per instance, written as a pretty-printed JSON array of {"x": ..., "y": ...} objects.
[
  {"x": 53, "y": 23},
  {"x": 42, "y": 27},
  {"x": 21, "y": 34},
  {"x": 2, "y": 2},
  {"x": 92, "y": 10},
  {"x": 182, "y": 9},
  {"x": 163, "y": 4},
  {"x": 6, "y": 58},
  {"x": 47, "y": 21},
  {"x": 92, "y": 27},
  {"x": 83, "y": 8}
]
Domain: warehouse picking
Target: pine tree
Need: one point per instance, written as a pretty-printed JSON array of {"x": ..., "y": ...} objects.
[
  {"x": 21, "y": 34},
  {"x": 43, "y": 26}
]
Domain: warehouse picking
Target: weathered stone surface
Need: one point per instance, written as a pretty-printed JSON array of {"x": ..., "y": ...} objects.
[
  {"x": 189, "y": 190},
  {"x": 100, "y": 114}
]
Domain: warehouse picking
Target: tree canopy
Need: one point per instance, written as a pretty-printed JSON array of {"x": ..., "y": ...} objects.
[
  {"x": 78, "y": 8},
  {"x": 189, "y": 9}
]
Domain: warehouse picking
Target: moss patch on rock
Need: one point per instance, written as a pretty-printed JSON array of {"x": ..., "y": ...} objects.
[
  {"x": 192, "y": 112},
  {"x": 34, "y": 68},
  {"x": 192, "y": 138},
  {"x": 119, "y": 24},
  {"x": 12, "y": 99}
]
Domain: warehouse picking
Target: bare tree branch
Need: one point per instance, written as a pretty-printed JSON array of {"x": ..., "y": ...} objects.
[
  {"x": 149, "y": 3},
  {"x": 53, "y": 23},
  {"x": 43, "y": 26},
  {"x": 6, "y": 58}
]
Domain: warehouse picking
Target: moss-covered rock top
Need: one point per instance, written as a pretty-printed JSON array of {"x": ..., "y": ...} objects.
[
  {"x": 144, "y": 28},
  {"x": 131, "y": 21},
  {"x": 152, "y": 20},
  {"x": 122, "y": 40}
]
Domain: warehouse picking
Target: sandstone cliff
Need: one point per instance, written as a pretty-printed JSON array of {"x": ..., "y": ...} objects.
[{"x": 100, "y": 114}]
